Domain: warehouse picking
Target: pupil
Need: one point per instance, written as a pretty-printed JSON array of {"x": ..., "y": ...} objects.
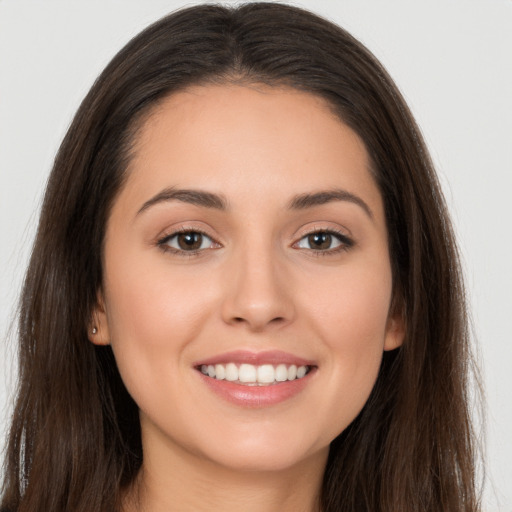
[
  {"x": 320, "y": 240},
  {"x": 190, "y": 241}
]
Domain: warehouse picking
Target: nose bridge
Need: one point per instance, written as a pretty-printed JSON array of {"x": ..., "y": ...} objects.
[{"x": 256, "y": 291}]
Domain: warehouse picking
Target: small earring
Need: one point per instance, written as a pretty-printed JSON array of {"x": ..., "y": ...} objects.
[{"x": 94, "y": 330}]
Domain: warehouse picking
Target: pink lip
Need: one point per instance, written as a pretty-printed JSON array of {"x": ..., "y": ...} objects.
[
  {"x": 256, "y": 358},
  {"x": 256, "y": 396}
]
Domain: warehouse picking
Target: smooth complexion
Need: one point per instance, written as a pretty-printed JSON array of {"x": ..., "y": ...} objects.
[{"x": 249, "y": 230}]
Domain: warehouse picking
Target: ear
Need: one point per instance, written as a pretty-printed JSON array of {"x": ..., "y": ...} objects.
[
  {"x": 395, "y": 332},
  {"x": 395, "y": 327},
  {"x": 97, "y": 331}
]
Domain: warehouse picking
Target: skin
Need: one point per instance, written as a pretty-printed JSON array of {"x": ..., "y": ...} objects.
[{"x": 256, "y": 284}]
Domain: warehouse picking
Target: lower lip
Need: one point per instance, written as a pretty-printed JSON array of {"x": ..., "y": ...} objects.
[{"x": 257, "y": 396}]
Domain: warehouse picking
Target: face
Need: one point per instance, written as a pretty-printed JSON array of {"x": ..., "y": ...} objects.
[{"x": 247, "y": 278}]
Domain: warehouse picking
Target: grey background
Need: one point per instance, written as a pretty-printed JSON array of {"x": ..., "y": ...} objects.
[{"x": 451, "y": 59}]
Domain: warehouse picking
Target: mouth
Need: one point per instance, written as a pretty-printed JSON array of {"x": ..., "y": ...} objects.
[
  {"x": 255, "y": 375},
  {"x": 249, "y": 379}
]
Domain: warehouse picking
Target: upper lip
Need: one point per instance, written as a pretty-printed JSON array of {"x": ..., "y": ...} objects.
[{"x": 274, "y": 357}]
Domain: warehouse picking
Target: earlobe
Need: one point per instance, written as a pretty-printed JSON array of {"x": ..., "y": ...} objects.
[
  {"x": 395, "y": 332},
  {"x": 97, "y": 330}
]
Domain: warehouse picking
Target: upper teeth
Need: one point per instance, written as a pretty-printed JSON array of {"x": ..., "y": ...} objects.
[{"x": 251, "y": 374}]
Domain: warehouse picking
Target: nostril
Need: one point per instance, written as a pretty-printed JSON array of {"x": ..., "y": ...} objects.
[{"x": 242, "y": 320}]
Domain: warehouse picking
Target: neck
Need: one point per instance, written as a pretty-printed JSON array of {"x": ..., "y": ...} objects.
[{"x": 183, "y": 483}]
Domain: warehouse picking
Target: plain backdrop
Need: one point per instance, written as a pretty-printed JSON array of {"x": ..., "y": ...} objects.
[{"x": 452, "y": 59}]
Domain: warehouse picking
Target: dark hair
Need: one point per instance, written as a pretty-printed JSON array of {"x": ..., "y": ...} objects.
[{"x": 75, "y": 437}]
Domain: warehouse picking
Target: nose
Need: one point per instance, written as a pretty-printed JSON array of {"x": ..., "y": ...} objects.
[{"x": 258, "y": 292}]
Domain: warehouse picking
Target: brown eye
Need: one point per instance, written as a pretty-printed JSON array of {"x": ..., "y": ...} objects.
[
  {"x": 187, "y": 241},
  {"x": 320, "y": 240},
  {"x": 324, "y": 241}
]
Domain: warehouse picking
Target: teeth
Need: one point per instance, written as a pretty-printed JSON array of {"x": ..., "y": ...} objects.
[
  {"x": 231, "y": 372},
  {"x": 301, "y": 371},
  {"x": 247, "y": 373},
  {"x": 266, "y": 374},
  {"x": 254, "y": 375},
  {"x": 220, "y": 372},
  {"x": 282, "y": 373}
]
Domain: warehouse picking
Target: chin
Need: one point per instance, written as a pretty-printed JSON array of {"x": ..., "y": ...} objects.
[
  {"x": 265, "y": 461},
  {"x": 265, "y": 451}
]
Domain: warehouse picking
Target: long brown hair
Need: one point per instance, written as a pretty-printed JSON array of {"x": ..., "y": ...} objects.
[{"x": 75, "y": 438}]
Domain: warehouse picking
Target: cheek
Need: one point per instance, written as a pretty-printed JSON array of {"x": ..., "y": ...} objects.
[
  {"x": 152, "y": 316},
  {"x": 351, "y": 321},
  {"x": 351, "y": 308},
  {"x": 148, "y": 301}
]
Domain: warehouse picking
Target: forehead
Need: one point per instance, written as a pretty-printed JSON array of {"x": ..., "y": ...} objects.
[{"x": 247, "y": 140}]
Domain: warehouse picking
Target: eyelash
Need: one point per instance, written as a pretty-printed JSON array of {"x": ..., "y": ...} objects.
[
  {"x": 346, "y": 243},
  {"x": 163, "y": 242}
]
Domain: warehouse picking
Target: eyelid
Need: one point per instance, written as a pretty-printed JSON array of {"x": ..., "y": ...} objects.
[
  {"x": 343, "y": 236},
  {"x": 186, "y": 227},
  {"x": 327, "y": 227},
  {"x": 163, "y": 238}
]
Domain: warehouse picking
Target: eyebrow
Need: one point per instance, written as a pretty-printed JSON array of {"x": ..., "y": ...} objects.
[
  {"x": 195, "y": 197},
  {"x": 304, "y": 201},
  {"x": 219, "y": 202}
]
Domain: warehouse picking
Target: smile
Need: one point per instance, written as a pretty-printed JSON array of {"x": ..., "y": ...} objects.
[
  {"x": 255, "y": 375},
  {"x": 256, "y": 379}
]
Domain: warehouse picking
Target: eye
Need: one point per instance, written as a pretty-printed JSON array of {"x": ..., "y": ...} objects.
[
  {"x": 187, "y": 241},
  {"x": 324, "y": 241}
]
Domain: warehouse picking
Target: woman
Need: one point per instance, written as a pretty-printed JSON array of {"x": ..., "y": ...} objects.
[{"x": 244, "y": 290}]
